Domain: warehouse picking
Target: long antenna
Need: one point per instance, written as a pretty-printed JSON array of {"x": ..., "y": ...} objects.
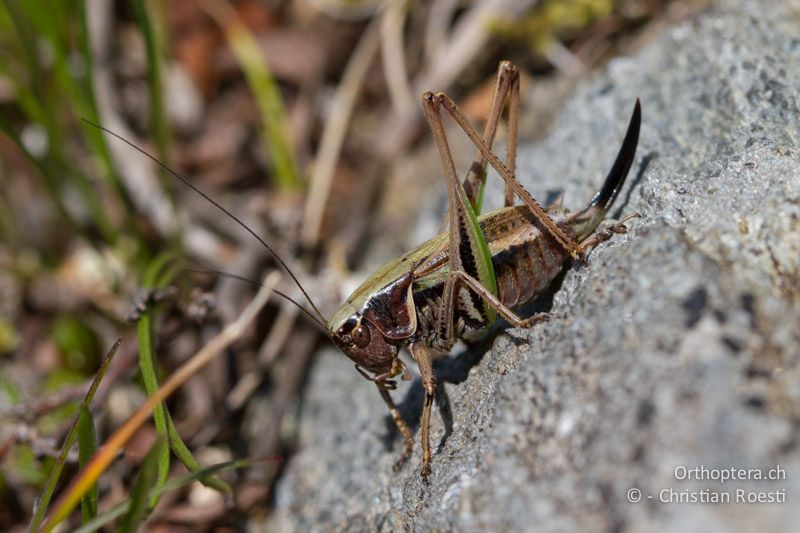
[
  {"x": 308, "y": 313},
  {"x": 213, "y": 202}
]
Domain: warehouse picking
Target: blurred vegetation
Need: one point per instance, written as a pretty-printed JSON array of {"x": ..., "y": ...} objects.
[
  {"x": 88, "y": 232},
  {"x": 47, "y": 63},
  {"x": 553, "y": 20}
]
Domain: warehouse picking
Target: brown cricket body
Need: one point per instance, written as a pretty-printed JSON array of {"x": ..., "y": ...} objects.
[
  {"x": 525, "y": 262},
  {"x": 456, "y": 284}
]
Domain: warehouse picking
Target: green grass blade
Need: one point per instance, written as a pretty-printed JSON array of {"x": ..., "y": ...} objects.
[
  {"x": 23, "y": 67},
  {"x": 181, "y": 481},
  {"x": 52, "y": 482},
  {"x": 270, "y": 104},
  {"x": 266, "y": 92},
  {"x": 106, "y": 454},
  {"x": 26, "y": 37},
  {"x": 60, "y": 85},
  {"x": 147, "y": 367},
  {"x": 93, "y": 136},
  {"x": 160, "y": 274},
  {"x": 158, "y": 119},
  {"x": 182, "y": 452},
  {"x": 87, "y": 445},
  {"x": 139, "y": 506},
  {"x": 479, "y": 250},
  {"x": 51, "y": 184}
]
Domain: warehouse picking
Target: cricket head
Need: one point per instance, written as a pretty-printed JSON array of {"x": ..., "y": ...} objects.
[
  {"x": 370, "y": 329},
  {"x": 364, "y": 343}
]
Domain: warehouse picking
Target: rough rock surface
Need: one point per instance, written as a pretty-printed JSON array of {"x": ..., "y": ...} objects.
[{"x": 677, "y": 345}]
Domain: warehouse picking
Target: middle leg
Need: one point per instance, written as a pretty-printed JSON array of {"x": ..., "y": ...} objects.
[
  {"x": 401, "y": 426},
  {"x": 423, "y": 358}
]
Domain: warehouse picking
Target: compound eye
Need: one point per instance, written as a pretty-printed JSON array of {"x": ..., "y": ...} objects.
[{"x": 361, "y": 335}]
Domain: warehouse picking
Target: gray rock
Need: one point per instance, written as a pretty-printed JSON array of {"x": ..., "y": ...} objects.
[{"x": 676, "y": 347}]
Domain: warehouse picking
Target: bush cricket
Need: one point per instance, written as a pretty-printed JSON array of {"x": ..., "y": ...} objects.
[{"x": 456, "y": 284}]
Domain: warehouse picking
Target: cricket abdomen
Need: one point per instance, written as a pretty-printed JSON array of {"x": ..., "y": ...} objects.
[
  {"x": 525, "y": 262},
  {"x": 525, "y": 259},
  {"x": 525, "y": 270}
]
